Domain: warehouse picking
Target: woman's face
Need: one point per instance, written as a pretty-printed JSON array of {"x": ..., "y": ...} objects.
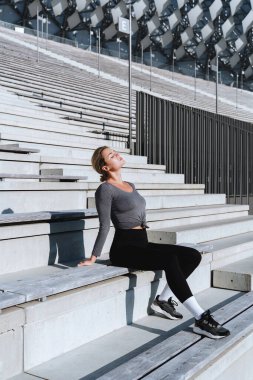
[{"x": 113, "y": 160}]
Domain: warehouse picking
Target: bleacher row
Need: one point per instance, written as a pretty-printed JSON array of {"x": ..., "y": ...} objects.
[{"x": 65, "y": 322}]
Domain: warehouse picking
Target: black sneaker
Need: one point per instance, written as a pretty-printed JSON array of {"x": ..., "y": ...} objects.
[
  {"x": 207, "y": 326},
  {"x": 166, "y": 308}
]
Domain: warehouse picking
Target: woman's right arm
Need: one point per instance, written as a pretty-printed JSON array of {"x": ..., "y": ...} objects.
[{"x": 103, "y": 198}]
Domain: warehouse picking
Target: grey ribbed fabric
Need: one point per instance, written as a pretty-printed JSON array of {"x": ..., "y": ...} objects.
[{"x": 126, "y": 210}]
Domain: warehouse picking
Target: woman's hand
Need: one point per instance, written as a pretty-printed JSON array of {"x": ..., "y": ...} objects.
[{"x": 87, "y": 261}]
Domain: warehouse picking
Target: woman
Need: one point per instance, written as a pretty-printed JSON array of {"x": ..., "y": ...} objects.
[{"x": 119, "y": 201}]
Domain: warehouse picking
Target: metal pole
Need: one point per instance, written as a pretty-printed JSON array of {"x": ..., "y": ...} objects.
[
  {"x": 236, "y": 91},
  {"x": 173, "y": 64},
  {"x": 130, "y": 78},
  {"x": 46, "y": 32},
  {"x": 150, "y": 85},
  {"x": 42, "y": 22},
  {"x": 208, "y": 68},
  {"x": 195, "y": 81},
  {"x": 99, "y": 52},
  {"x": 37, "y": 34},
  {"x": 119, "y": 48},
  {"x": 217, "y": 78},
  {"x": 90, "y": 39},
  {"x": 141, "y": 56}
]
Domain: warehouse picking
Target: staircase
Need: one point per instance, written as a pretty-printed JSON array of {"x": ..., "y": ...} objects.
[{"x": 63, "y": 322}]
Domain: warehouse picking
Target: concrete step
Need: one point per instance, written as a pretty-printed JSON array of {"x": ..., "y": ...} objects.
[
  {"x": 131, "y": 344},
  {"x": 236, "y": 276},
  {"x": 39, "y": 196},
  {"x": 56, "y": 148},
  {"x": 22, "y": 166},
  {"x": 202, "y": 232},
  {"x": 38, "y": 331},
  {"x": 131, "y": 160},
  {"x": 56, "y": 135},
  {"x": 173, "y": 201},
  {"x": 42, "y": 177},
  {"x": 70, "y": 240}
]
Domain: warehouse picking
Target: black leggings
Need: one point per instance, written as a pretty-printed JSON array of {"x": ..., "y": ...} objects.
[{"x": 131, "y": 249}]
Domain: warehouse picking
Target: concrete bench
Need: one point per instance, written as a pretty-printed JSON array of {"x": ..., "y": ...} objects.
[
  {"x": 39, "y": 287},
  {"x": 28, "y": 217},
  {"x": 14, "y": 148},
  {"x": 43, "y": 177},
  {"x": 186, "y": 354}
]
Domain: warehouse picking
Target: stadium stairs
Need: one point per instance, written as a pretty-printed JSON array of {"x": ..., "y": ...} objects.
[{"x": 60, "y": 321}]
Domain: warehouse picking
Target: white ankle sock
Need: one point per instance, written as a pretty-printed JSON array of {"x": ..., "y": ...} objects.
[
  {"x": 192, "y": 305},
  {"x": 166, "y": 294}
]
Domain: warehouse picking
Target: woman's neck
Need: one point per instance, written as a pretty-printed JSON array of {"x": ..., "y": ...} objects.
[{"x": 115, "y": 178}]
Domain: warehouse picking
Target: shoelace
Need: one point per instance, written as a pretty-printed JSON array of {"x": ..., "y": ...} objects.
[
  {"x": 209, "y": 319},
  {"x": 172, "y": 303}
]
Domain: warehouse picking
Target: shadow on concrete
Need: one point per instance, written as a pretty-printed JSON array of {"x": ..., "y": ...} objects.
[{"x": 66, "y": 242}]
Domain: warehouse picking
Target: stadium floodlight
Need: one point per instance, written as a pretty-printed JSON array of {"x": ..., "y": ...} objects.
[
  {"x": 187, "y": 35},
  {"x": 161, "y": 5},
  {"x": 220, "y": 46},
  {"x": 166, "y": 38},
  {"x": 59, "y": 6},
  {"x": 34, "y": 7},
  {"x": 73, "y": 20},
  {"x": 241, "y": 42},
  {"x": 82, "y": 4},
  {"x": 215, "y": 9},
  {"x": 234, "y": 60},
  {"x": 235, "y": 5},
  {"x": 207, "y": 31},
  {"x": 174, "y": 19},
  {"x": 96, "y": 16},
  {"x": 119, "y": 11},
  {"x": 110, "y": 32},
  {"x": 140, "y": 7},
  {"x": 247, "y": 22},
  {"x": 228, "y": 26},
  {"x": 195, "y": 14},
  {"x": 153, "y": 23}
]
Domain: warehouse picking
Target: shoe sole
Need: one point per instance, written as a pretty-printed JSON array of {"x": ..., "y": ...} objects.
[
  {"x": 162, "y": 312},
  {"x": 199, "y": 331}
]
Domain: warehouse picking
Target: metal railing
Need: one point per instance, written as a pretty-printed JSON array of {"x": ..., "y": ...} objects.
[
  {"x": 186, "y": 67},
  {"x": 207, "y": 148}
]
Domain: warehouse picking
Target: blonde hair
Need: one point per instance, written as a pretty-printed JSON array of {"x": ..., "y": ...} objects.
[{"x": 98, "y": 162}]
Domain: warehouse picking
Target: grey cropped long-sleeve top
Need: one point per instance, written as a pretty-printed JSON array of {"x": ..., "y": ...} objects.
[{"x": 125, "y": 209}]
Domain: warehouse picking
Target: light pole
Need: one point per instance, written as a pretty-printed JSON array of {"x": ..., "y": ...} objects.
[
  {"x": 242, "y": 73},
  {"x": 38, "y": 58},
  {"x": 150, "y": 85},
  {"x": 236, "y": 92},
  {"x": 91, "y": 34},
  {"x": 217, "y": 78},
  {"x": 141, "y": 55},
  {"x": 99, "y": 52},
  {"x": 46, "y": 31},
  {"x": 173, "y": 63},
  {"x": 119, "y": 41},
  {"x": 208, "y": 70},
  {"x": 195, "y": 81},
  {"x": 130, "y": 77}
]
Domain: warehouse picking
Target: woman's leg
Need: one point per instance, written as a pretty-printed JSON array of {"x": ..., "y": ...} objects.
[
  {"x": 177, "y": 267},
  {"x": 189, "y": 259}
]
